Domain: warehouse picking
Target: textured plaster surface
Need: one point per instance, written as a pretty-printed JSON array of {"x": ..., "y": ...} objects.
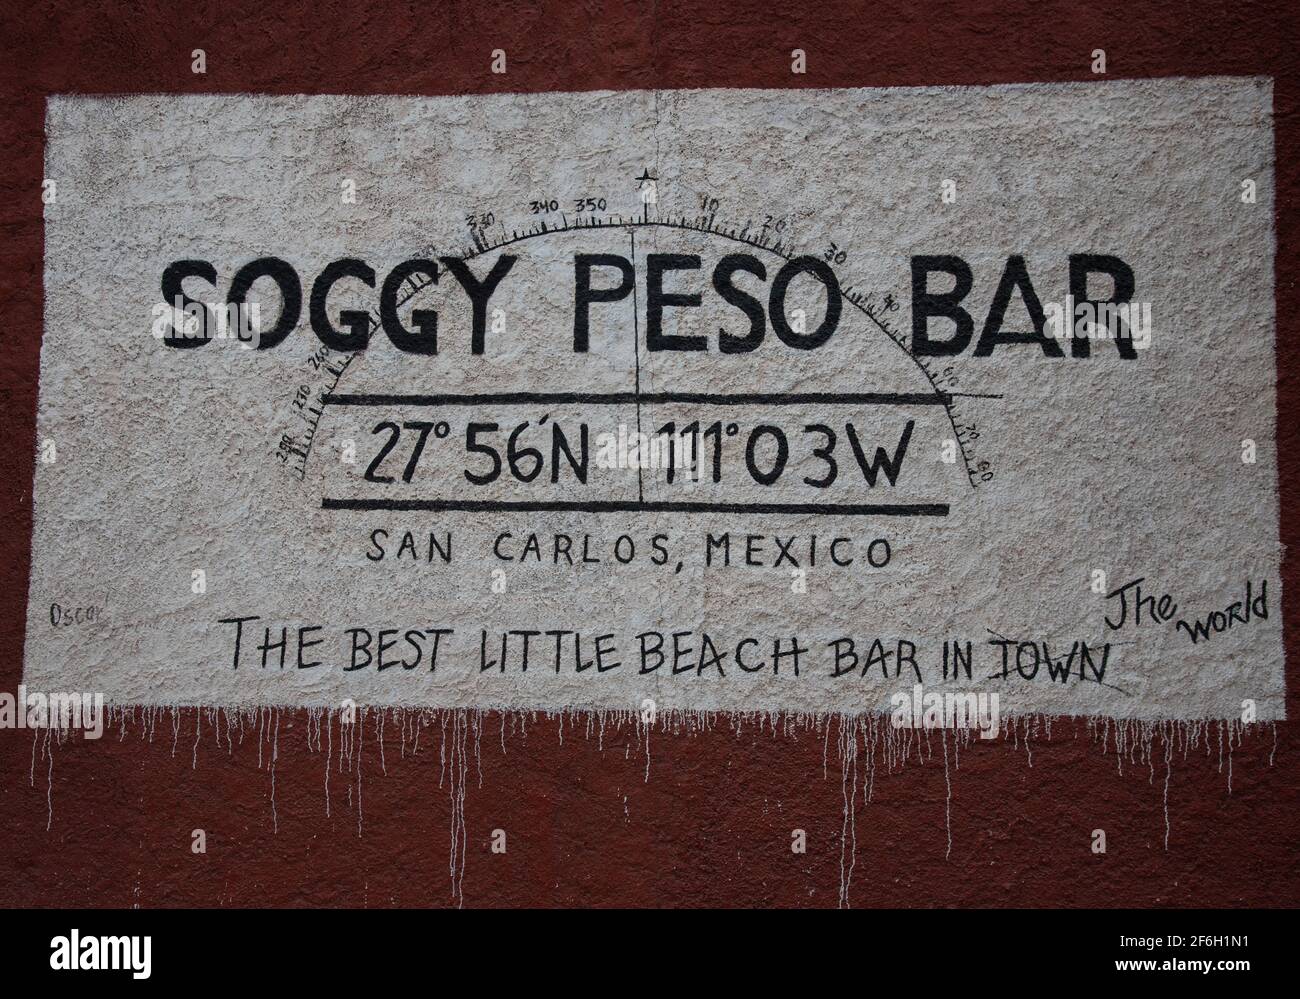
[{"x": 167, "y": 457}]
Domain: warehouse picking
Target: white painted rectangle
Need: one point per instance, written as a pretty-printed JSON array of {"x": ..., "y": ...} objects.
[{"x": 168, "y": 463}]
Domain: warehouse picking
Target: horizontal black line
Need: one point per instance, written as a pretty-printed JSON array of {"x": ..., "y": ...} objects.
[
  {"x": 638, "y": 506},
  {"x": 631, "y": 398}
]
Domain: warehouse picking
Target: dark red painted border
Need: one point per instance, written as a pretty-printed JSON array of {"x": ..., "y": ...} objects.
[{"x": 712, "y": 825}]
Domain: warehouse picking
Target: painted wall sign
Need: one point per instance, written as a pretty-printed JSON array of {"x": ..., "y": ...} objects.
[{"x": 750, "y": 401}]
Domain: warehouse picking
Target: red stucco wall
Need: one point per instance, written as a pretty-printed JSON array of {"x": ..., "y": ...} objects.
[{"x": 712, "y": 825}]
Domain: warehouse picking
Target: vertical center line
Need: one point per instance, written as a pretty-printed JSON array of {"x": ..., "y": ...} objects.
[{"x": 636, "y": 341}]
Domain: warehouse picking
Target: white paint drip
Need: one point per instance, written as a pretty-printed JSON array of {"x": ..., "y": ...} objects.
[
  {"x": 947, "y": 801},
  {"x": 1131, "y": 741}
]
